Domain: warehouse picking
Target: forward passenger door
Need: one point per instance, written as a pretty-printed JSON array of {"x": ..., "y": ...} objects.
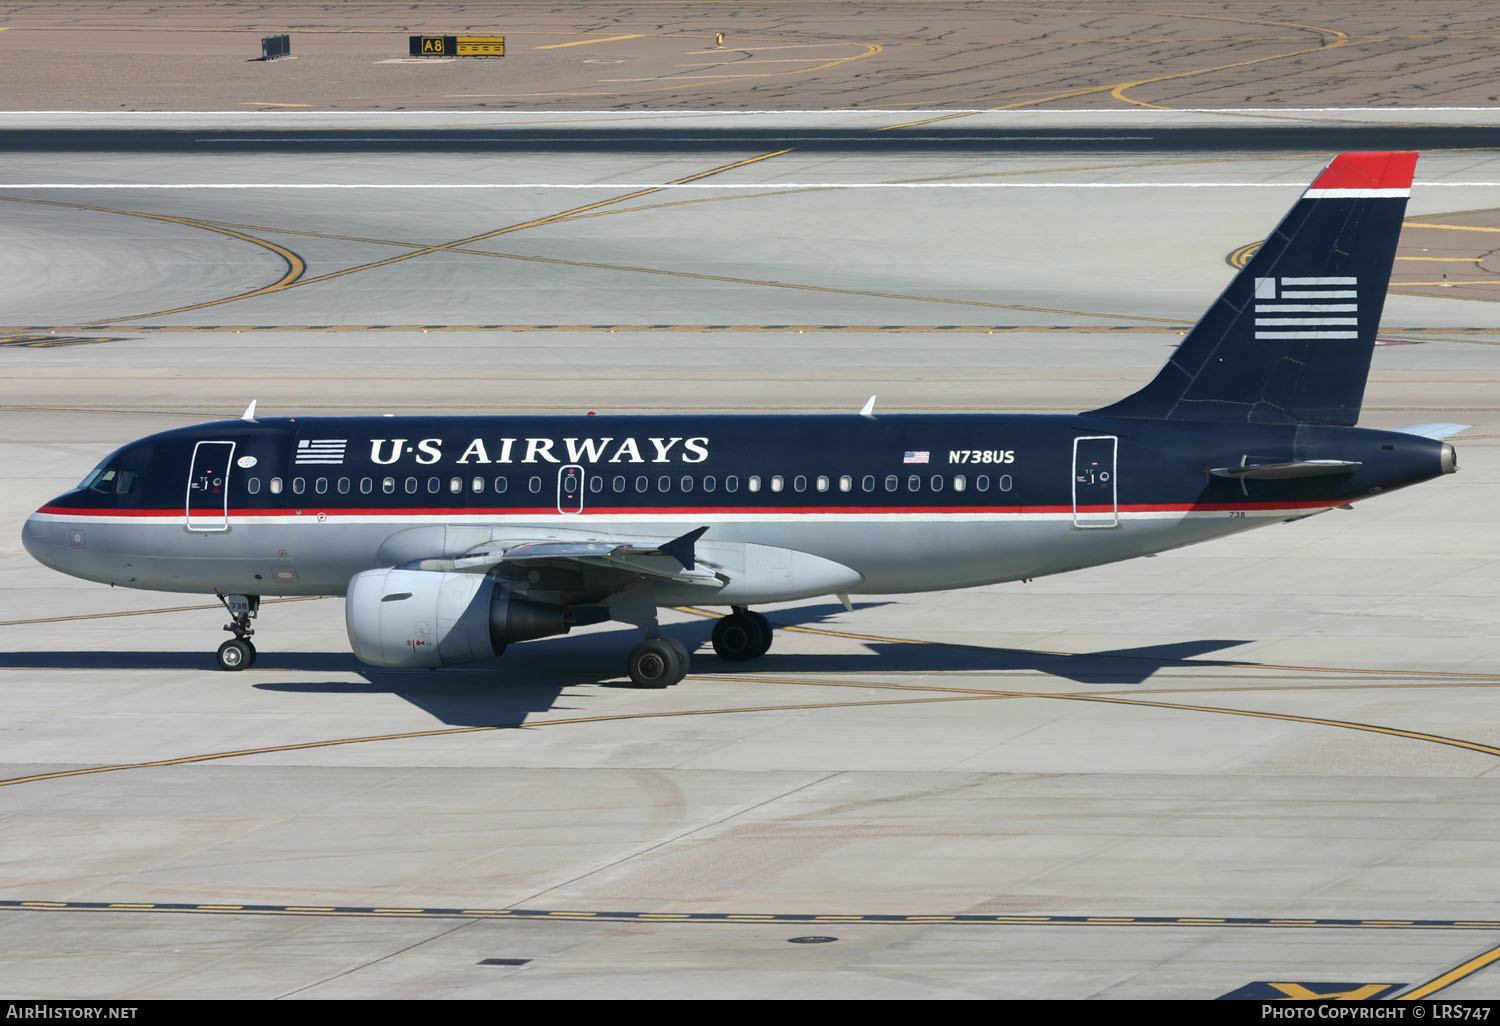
[{"x": 208, "y": 486}]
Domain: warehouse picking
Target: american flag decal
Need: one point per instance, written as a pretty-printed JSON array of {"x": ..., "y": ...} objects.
[
  {"x": 321, "y": 450},
  {"x": 919, "y": 456},
  {"x": 1306, "y": 308}
]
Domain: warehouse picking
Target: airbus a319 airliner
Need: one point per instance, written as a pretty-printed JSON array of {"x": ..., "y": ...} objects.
[{"x": 453, "y": 537}]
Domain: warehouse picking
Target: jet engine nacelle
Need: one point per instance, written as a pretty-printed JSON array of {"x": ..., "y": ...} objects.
[{"x": 422, "y": 618}]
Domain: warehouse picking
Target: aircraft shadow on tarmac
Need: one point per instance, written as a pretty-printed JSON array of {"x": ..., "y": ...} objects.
[{"x": 530, "y": 677}]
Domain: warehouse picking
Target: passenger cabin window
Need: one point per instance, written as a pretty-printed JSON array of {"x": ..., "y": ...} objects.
[
  {"x": 753, "y": 484},
  {"x": 822, "y": 483},
  {"x": 982, "y": 483},
  {"x": 476, "y": 485},
  {"x": 455, "y": 485},
  {"x": 500, "y": 485},
  {"x": 891, "y": 483},
  {"x": 253, "y": 486},
  {"x": 343, "y": 486},
  {"x": 388, "y": 485},
  {"x": 434, "y": 485},
  {"x": 617, "y": 485},
  {"x": 913, "y": 483},
  {"x": 867, "y": 483},
  {"x": 664, "y": 484},
  {"x": 709, "y": 484},
  {"x": 846, "y": 483},
  {"x": 298, "y": 486},
  {"x": 777, "y": 483},
  {"x": 960, "y": 482},
  {"x": 366, "y": 486},
  {"x": 731, "y": 483},
  {"x": 535, "y": 484},
  {"x": 411, "y": 486},
  {"x": 321, "y": 485},
  {"x": 275, "y": 486}
]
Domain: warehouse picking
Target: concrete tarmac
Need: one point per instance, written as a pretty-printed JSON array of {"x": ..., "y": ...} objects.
[
  {"x": 109, "y": 55},
  {"x": 1262, "y": 762}
]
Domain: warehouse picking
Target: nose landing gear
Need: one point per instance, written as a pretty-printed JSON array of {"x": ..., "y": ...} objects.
[{"x": 238, "y": 653}]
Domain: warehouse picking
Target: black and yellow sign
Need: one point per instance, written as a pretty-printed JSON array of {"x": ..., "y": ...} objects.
[
  {"x": 481, "y": 46},
  {"x": 457, "y": 46},
  {"x": 433, "y": 46}
]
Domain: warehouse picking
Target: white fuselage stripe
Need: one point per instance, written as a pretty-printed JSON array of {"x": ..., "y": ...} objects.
[{"x": 563, "y": 519}]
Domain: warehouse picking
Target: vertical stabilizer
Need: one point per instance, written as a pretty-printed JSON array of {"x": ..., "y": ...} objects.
[{"x": 1290, "y": 339}]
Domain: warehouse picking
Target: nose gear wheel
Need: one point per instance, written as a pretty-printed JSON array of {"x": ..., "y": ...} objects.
[{"x": 238, "y": 654}]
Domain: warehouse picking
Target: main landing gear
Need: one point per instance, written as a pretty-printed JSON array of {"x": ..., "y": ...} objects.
[
  {"x": 658, "y": 662},
  {"x": 742, "y": 635},
  {"x": 238, "y": 653},
  {"x": 661, "y": 661}
]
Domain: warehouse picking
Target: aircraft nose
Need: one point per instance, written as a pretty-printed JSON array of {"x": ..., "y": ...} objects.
[{"x": 49, "y": 541}]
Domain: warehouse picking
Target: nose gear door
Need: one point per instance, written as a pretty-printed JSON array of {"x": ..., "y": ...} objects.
[{"x": 208, "y": 486}]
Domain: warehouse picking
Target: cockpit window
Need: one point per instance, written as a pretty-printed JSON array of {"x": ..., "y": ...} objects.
[
  {"x": 109, "y": 478},
  {"x": 101, "y": 480}
]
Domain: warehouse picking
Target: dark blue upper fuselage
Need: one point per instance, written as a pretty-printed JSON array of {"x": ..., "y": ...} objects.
[{"x": 793, "y": 463}]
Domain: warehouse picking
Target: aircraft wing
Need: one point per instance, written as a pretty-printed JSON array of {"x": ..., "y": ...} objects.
[{"x": 674, "y": 561}]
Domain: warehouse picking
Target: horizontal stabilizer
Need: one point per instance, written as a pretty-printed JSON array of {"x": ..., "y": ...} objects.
[
  {"x": 1284, "y": 471},
  {"x": 1437, "y": 430}
]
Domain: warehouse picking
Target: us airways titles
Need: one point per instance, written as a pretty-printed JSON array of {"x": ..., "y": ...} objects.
[{"x": 427, "y": 451}]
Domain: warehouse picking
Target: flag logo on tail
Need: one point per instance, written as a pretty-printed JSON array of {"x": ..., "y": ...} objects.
[
  {"x": 321, "y": 450},
  {"x": 1306, "y": 308}
]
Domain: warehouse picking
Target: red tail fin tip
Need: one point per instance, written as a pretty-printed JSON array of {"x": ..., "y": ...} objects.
[{"x": 1367, "y": 173}]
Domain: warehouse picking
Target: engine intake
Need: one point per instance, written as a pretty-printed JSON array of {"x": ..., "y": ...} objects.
[{"x": 420, "y": 619}]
